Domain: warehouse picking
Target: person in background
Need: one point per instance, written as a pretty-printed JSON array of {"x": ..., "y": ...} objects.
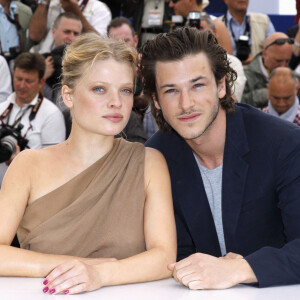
[
  {"x": 235, "y": 170},
  {"x": 277, "y": 52},
  {"x": 282, "y": 92},
  {"x": 248, "y": 31},
  {"x": 34, "y": 119},
  {"x": 14, "y": 21},
  {"x": 183, "y": 7},
  {"x": 5, "y": 79},
  {"x": 94, "y": 16},
  {"x": 66, "y": 28}
]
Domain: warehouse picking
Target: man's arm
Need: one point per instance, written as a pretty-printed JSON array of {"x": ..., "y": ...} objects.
[
  {"x": 38, "y": 23},
  {"x": 72, "y": 6}
]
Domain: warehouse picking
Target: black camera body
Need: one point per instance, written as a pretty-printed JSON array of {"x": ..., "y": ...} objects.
[
  {"x": 9, "y": 136},
  {"x": 194, "y": 19},
  {"x": 12, "y": 53},
  {"x": 242, "y": 47}
]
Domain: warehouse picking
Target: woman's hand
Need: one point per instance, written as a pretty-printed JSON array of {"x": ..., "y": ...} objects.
[{"x": 74, "y": 277}]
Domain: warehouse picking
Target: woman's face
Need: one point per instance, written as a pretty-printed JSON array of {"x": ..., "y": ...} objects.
[{"x": 102, "y": 99}]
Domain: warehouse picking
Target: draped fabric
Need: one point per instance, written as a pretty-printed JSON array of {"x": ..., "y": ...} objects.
[{"x": 98, "y": 213}]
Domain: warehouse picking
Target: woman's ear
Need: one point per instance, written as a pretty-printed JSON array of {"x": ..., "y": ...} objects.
[{"x": 67, "y": 96}]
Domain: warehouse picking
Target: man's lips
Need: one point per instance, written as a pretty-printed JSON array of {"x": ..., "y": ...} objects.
[
  {"x": 115, "y": 118},
  {"x": 189, "y": 118}
]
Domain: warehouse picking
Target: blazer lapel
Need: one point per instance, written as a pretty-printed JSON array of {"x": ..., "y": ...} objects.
[
  {"x": 235, "y": 168},
  {"x": 192, "y": 202}
]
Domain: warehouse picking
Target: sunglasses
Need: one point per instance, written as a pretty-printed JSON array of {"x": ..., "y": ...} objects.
[{"x": 281, "y": 42}]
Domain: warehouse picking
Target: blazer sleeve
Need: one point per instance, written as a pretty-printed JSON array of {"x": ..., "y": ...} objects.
[{"x": 273, "y": 266}]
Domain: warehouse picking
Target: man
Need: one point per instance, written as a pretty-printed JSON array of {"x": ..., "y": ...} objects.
[
  {"x": 239, "y": 84},
  {"x": 43, "y": 123},
  {"x": 94, "y": 15},
  {"x": 234, "y": 170},
  {"x": 121, "y": 29},
  {"x": 282, "y": 94},
  {"x": 248, "y": 29},
  {"x": 183, "y": 7},
  {"x": 14, "y": 21},
  {"x": 67, "y": 26},
  {"x": 277, "y": 52}
]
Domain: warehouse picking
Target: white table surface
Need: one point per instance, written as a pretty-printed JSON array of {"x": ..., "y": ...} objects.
[{"x": 13, "y": 288}]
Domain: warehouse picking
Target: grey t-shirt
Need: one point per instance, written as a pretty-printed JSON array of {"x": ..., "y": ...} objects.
[{"x": 212, "y": 181}]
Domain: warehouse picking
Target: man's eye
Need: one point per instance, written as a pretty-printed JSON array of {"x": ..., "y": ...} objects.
[
  {"x": 198, "y": 85},
  {"x": 170, "y": 91}
]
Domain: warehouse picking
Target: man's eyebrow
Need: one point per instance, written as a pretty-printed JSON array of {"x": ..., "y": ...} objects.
[
  {"x": 197, "y": 78},
  {"x": 168, "y": 85}
]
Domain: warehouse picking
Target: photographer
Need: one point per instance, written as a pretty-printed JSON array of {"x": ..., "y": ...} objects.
[
  {"x": 14, "y": 21},
  {"x": 28, "y": 120},
  {"x": 248, "y": 31}
]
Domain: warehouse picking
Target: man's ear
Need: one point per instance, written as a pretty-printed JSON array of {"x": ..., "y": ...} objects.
[
  {"x": 67, "y": 97},
  {"x": 221, "y": 88},
  {"x": 156, "y": 102}
]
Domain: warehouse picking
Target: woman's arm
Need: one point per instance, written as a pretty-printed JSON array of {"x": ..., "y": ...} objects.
[
  {"x": 14, "y": 196},
  {"x": 160, "y": 236}
]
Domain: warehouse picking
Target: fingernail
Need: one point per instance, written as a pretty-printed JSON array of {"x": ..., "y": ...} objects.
[
  {"x": 66, "y": 292},
  {"x": 45, "y": 282},
  {"x": 45, "y": 290},
  {"x": 52, "y": 291}
]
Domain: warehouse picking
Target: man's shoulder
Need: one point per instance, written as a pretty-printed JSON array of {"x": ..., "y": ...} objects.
[
  {"x": 165, "y": 142},
  {"x": 259, "y": 124},
  {"x": 258, "y": 17}
]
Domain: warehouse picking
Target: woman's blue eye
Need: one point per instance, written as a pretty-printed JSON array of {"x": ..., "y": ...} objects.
[
  {"x": 127, "y": 91},
  {"x": 98, "y": 89}
]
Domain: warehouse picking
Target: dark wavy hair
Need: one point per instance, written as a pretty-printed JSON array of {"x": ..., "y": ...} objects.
[{"x": 175, "y": 46}]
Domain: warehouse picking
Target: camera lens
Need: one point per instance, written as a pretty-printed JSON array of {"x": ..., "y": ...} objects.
[
  {"x": 7, "y": 147},
  {"x": 194, "y": 19},
  {"x": 242, "y": 48}
]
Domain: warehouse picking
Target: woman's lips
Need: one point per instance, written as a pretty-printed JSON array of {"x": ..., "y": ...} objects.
[{"x": 115, "y": 118}]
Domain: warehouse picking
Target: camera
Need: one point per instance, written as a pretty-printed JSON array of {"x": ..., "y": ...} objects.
[
  {"x": 12, "y": 53},
  {"x": 194, "y": 19},
  {"x": 242, "y": 47},
  {"x": 9, "y": 137}
]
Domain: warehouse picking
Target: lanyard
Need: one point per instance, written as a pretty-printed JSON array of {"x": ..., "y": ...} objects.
[
  {"x": 32, "y": 115},
  {"x": 247, "y": 28}
]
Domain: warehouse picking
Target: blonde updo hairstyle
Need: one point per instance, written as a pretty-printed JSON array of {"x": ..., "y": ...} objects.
[{"x": 89, "y": 48}]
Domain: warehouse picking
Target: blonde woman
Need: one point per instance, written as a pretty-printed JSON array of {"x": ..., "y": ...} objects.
[{"x": 93, "y": 211}]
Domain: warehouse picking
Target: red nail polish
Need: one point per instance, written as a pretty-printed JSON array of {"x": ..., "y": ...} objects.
[
  {"x": 45, "y": 290},
  {"x": 45, "y": 282},
  {"x": 52, "y": 291},
  {"x": 66, "y": 292}
]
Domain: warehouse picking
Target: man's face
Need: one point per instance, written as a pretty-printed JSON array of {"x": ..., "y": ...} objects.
[
  {"x": 66, "y": 32},
  {"x": 123, "y": 33},
  {"x": 182, "y": 7},
  {"x": 237, "y": 5},
  {"x": 27, "y": 85},
  {"x": 282, "y": 95},
  {"x": 277, "y": 56},
  {"x": 188, "y": 94}
]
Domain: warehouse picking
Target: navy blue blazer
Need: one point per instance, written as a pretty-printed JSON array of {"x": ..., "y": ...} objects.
[{"x": 260, "y": 195}]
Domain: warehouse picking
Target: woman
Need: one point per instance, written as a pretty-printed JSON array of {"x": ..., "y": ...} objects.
[{"x": 94, "y": 210}]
